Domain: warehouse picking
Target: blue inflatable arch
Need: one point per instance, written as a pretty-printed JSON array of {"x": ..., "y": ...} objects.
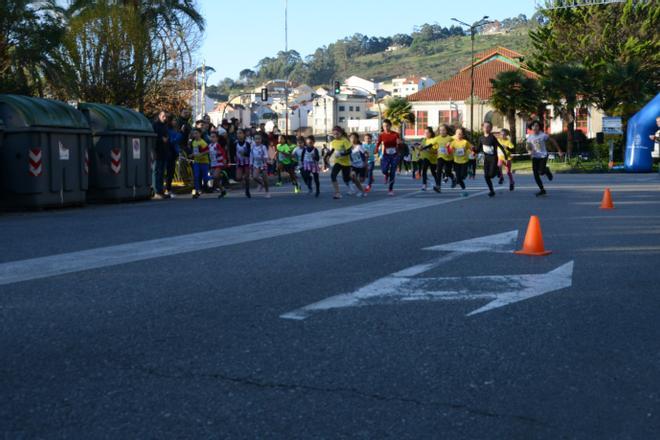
[{"x": 638, "y": 144}]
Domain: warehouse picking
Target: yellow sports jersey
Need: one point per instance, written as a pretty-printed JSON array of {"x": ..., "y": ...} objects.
[
  {"x": 342, "y": 146},
  {"x": 461, "y": 150},
  {"x": 200, "y": 151},
  {"x": 415, "y": 154},
  {"x": 443, "y": 151},
  {"x": 430, "y": 154},
  {"x": 508, "y": 146}
]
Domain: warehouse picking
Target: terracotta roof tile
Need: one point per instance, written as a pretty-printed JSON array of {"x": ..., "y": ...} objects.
[{"x": 457, "y": 88}]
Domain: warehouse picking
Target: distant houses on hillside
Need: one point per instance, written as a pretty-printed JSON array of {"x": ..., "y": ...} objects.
[{"x": 360, "y": 103}]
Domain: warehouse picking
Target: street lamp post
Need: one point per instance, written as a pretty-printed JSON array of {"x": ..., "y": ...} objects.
[{"x": 473, "y": 29}]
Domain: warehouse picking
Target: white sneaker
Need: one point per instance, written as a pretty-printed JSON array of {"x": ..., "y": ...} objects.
[
  {"x": 268, "y": 195},
  {"x": 423, "y": 187},
  {"x": 232, "y": 181}
]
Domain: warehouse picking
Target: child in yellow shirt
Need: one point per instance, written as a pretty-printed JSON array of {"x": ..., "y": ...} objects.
[
  {"x": 504, "y": 160},
  {"x": 460, "y": 150}
]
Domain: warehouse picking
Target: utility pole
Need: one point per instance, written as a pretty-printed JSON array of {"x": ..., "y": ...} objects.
[
  {"x": 203, "y": 94},
  {"x": 473, "y": 30}
]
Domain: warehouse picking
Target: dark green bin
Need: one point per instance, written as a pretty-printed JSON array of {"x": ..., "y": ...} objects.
[
  {"x": 44, "y": 155},
  {"x": 120, "y": 160}
]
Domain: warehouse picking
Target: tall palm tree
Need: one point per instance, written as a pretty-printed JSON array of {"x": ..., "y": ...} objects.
[
  {"x": 30, "y": 33},
  {"x": 563, "y": 86},
  {"x": 399, "y": 111},
  {"x": 514, "y": 93},
  {"x": 162, "y": 21}
]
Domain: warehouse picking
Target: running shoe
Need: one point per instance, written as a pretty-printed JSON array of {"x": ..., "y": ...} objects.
[
  {"x": 491, "y": 194},
  {"x": 464, "y": 194},
  {"x": 278, "y": 183},
  {"x": 368, "y": 188},
  {"x": 358, "y": 195},
  {"x": 310, "y": 192},
  {"x": 232, "y": 181},
  {"x": 337, "y": 196},
  {"x": 390, "y": 193},
  {"x": 248, "y": 195},
  {"x": 317, "y": 193},
  {"x": 453, "y": 184},
  {"x": 260, "y": 188},
  {"x": 222, "y": 194},
  {"x": 195, "y": 196},
  {"x": 511, "y": 187},
  {"x": 436, "y": 189},
  {"x": 549, "y": 174},
  {"x": 501, "y": 180},
  {"x": 424, "y": 188},
  {"x": 541, "y": 193},
  {"x": 296, "y": 189}
]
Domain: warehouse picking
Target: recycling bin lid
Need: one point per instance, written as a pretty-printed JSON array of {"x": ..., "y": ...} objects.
[
  {"x": 24, "y": 111},
  {"x": 104, "y": 117}
]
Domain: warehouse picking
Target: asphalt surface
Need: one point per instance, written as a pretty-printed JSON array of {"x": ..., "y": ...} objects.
[{"x": 192, "y": 345}]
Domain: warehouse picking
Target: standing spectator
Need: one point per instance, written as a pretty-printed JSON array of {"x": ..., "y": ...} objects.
[
  {"x": 172, "y": 156},
  {"x": 183, "y": 122},
  {"x": 161, "y": 151}
]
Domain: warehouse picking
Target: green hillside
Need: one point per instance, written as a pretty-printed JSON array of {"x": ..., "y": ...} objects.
[{"x": 446, "y": 57}]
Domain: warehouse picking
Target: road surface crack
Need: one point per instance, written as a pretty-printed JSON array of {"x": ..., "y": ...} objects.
[{"x": 249, "y": 381}]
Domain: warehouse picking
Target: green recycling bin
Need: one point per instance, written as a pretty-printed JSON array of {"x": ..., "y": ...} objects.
[
  {"x": 120, "y": 159},
  {"x": 44, "y": 159}
]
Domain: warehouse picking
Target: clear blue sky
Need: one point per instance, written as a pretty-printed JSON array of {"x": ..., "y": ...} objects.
[{"x": 240, "y": 33}]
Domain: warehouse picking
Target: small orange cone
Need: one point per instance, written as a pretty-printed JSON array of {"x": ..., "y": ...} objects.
[
  {"x": 607, "y": 200},
  {"x": 533, "y": 244}
]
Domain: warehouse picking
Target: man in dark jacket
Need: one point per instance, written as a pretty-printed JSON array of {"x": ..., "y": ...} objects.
[{"x": 161, "y": 153}]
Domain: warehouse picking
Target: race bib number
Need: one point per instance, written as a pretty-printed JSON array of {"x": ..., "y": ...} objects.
[
  {"x": 443, "y": 150},
  {"x": 460, "y": 152},
  {"x": 195, "y": 151},
  {"x": 390, "y": 150},
  {"x": 488, "y": 149}
]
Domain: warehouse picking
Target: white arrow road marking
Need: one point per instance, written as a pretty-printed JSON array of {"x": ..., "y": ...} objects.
[
  {"x": 501, "y": 289},
  {"x": 401, "y": 286}
]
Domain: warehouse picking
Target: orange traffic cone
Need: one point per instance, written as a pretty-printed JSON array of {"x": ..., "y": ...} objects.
[
  {"x": 607, "y": 200},
  {"x": 533, "y": 244}
]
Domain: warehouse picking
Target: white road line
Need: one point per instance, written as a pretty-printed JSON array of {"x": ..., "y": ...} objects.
[{"x": 54, "y": 265}]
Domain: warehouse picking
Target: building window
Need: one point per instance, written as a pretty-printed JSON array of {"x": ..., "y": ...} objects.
[
  {"x": 357, "y": 108},
  {"x": 582, "y": 120},
  {"x": 421, "y": 121},
  {"x": 342, "y": 108},
  {"x": 342, "y": 119},
  {"x": 350, "y": 108},
  {"x": 449, "y": 117}
]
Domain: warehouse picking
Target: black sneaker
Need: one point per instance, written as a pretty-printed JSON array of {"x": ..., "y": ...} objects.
[
  {"x": 436, "y": 188},
  {"x": 247, "y": 194},
  {"x": 541, "y": 193},
  {"x": 453, "y": 183},
  {"x": 195, "y": 196},
  {"x": 511, "y": 187},
  {"x": 549, "y": 174},
  {"x": 501, "y": 180},
  {"x": 222, "y": 194},
  {"x": 491, "y": 194},
  {"x": 317, "y": 193}
]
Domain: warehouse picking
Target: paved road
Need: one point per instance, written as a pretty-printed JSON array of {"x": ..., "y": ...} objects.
[{"x": 186, "y": 340}]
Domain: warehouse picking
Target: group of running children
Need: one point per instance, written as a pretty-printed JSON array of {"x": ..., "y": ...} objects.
[{"x": 447, "y": 158}]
